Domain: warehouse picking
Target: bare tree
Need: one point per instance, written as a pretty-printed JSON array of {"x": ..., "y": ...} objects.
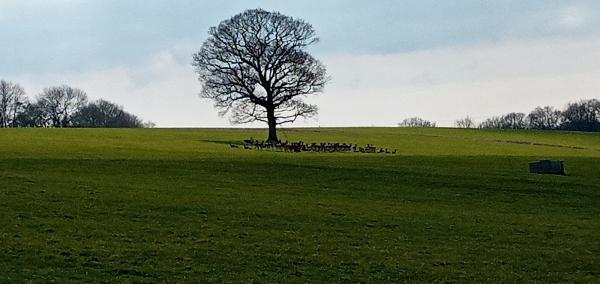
[
  {"x": 512, "y": 120},
  {"x": 12, "y": 101},
  {"x": 544, "y": 118},
  {"x": 466, "y": 122},
  {"x": 492, "y": 122},
  {"x": 33, "y": 115},
  {"x": 149, "y": 124},
  {"x": 416, "y": 122},
  {"x": 582, "y": 116},
  {"x": 255, "y": 66},
  {"x": 60, "y": 104},
  {"x": 105, "y": 114}
]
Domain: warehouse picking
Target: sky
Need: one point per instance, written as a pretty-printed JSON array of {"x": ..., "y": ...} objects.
[{"x": 389, "y": 60}]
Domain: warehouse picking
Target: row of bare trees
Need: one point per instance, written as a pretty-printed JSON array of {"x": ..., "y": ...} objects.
[
  {"x": 583, "y": 115},
  {"x": 416, "y": 122},
  {"x": 60, "y": 107},
  {"x": 578, "y": 116}
]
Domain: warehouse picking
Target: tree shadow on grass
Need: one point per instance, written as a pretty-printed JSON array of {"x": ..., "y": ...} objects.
[{"x": 224, "y": 142}]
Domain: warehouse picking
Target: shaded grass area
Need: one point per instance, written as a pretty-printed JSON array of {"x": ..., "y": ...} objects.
[{"x": 229, "y": 215}]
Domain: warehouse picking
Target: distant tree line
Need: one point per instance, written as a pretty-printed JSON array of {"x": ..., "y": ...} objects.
[
  {"x": 583, "y": 115},
  {"x": 416, "y": 122},
  {"x": 60, "y": 107},
  {"x": 578, "y": 116}
]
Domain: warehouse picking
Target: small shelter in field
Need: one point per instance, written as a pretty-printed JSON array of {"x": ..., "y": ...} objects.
[{"x": 555, "y": 167}]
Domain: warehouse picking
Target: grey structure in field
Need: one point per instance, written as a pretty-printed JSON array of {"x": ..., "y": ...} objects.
[{"x": 547, "y": 167}]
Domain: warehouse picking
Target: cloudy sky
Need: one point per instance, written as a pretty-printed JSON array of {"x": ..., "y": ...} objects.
[{"x": 440, "y": 60}]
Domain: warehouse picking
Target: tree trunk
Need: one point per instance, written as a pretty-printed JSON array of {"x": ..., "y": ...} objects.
[{"x": 272, "y": 121}]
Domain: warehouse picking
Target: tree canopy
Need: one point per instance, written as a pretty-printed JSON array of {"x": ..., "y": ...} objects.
[{"x": 255, "y": 67}]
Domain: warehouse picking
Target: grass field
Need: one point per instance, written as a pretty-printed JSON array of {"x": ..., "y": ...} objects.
[{"x": 153, "y": 205}]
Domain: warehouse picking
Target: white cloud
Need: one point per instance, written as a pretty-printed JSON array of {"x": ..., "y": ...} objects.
[
  {"x": 163, "y": 91},
  {"x": 573, "y": 17},
  {"x": 445, "y": 84},
  {"x": 440, "y": 84}
]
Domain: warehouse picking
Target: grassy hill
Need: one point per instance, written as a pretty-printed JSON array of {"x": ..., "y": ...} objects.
[{"x": 180, "y": 205}]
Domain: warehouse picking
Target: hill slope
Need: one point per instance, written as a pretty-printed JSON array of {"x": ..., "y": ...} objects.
[{"x": 179, "y": 204}]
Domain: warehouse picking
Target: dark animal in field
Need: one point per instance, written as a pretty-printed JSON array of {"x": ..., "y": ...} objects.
[
  {"x": 301, "y": 146},
  {"x": 370, "y": 149}
]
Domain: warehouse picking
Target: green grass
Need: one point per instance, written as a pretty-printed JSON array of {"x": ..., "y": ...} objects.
[{"x": 154, "y": 205}]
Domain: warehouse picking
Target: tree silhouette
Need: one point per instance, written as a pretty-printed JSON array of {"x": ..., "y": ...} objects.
[
  {"x": 582, "y": 116},
  {"x": 61, "y": 103},
  {"x": 12, "y": 102},
  {"x": 255, "y": 67},
  {"x": 544, "y": 118},
  {"x": 466, "y": 122},
  {"x": 416, "y": 122},
  {"x": 105, "y": 114}
]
